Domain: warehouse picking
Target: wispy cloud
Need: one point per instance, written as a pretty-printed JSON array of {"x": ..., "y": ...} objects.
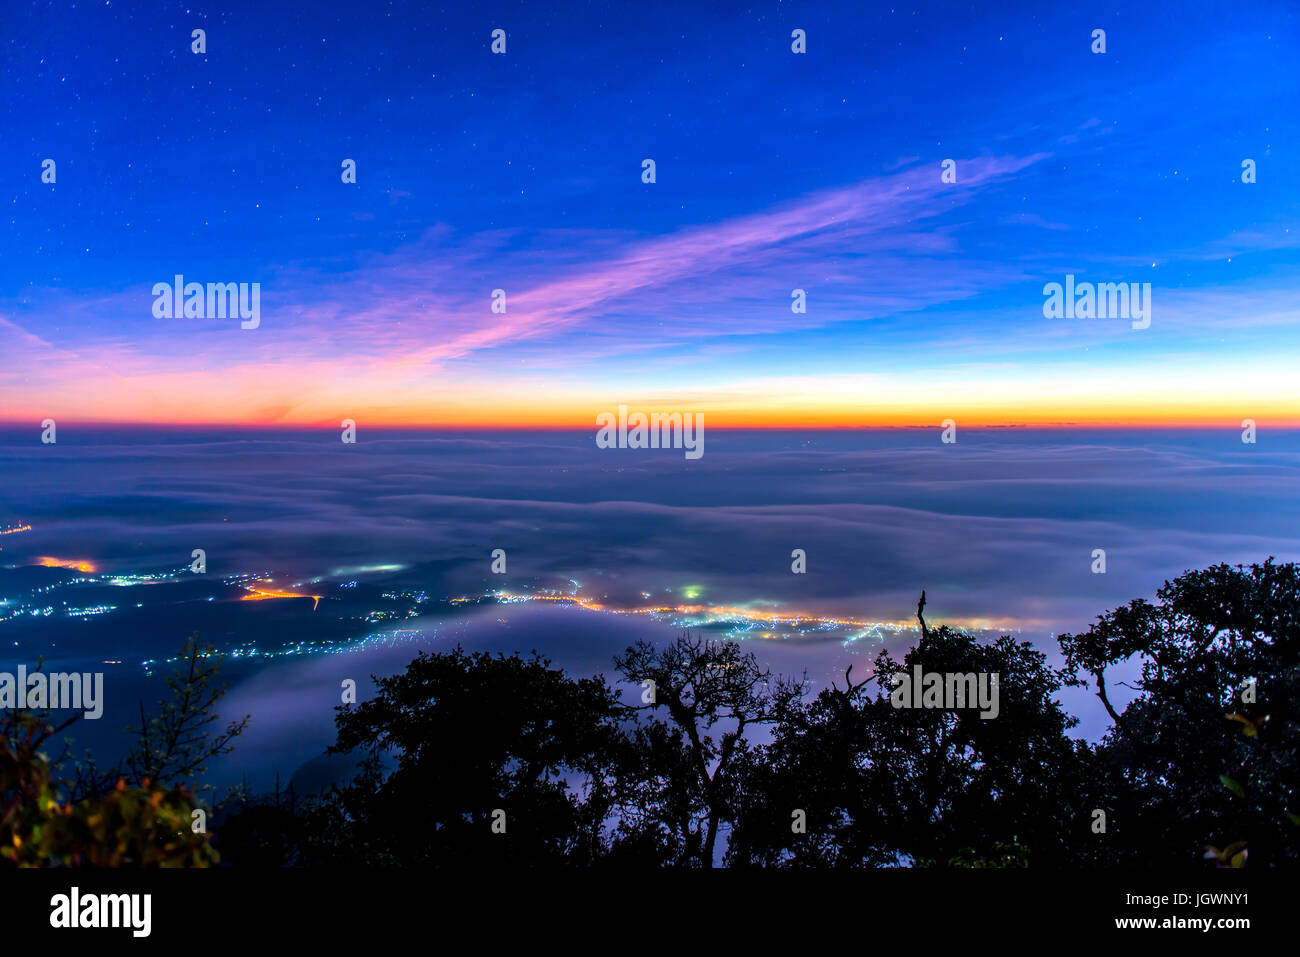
[{"x": 870, "y": 248}]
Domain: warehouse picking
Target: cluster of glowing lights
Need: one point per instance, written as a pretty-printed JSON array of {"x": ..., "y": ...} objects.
[
  {"x": 749, "y": 621},
  {"x": 88, "y": 612}
]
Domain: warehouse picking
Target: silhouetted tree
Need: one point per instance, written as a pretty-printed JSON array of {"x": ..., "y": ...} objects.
[
  {"x": 881, "y": 785},
  {"x": 1194, "y": 761},
  {"x": 173, "y": 743},
  {"x": 687, "y": 787},
  {"x": 457, "y": 737},
  {"x": 267, "y": 831},
  {"x": 1206, "y": 752}
]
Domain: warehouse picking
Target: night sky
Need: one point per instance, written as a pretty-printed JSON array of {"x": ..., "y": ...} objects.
[{"x": 775, "y": 171}]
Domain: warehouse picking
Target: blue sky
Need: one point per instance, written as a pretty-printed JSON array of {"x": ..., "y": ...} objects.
[{"x": 775, "y": 171}]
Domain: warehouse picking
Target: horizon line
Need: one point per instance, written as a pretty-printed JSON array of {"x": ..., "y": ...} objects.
[{"x": 1229, "y": 424}]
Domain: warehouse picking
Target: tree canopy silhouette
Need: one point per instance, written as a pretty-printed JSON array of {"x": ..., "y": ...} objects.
[
  {"x": 1207, "y": 752},
  {"x": 704, "y": 755}
]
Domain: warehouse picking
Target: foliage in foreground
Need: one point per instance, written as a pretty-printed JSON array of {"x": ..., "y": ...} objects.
[
  {"x": 700, "y": 756},
  {"x": 143, "y": 812},
  {"x": 471, "y": 760}
]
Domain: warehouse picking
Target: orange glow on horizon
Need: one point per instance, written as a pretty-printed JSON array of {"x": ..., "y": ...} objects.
[
  {"x": 1114, "y": 398},
  {"x": 74, "y": 564},
  {"x": 1283, "y": 415}
]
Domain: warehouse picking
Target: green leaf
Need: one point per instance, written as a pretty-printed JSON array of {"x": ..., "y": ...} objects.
[{"x": 1232, "y": 786}]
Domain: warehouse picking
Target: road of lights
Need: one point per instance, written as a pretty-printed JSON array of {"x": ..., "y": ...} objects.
[
  {"x": 256, "y": 593},
  {"x": 757, "y": 623}
]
